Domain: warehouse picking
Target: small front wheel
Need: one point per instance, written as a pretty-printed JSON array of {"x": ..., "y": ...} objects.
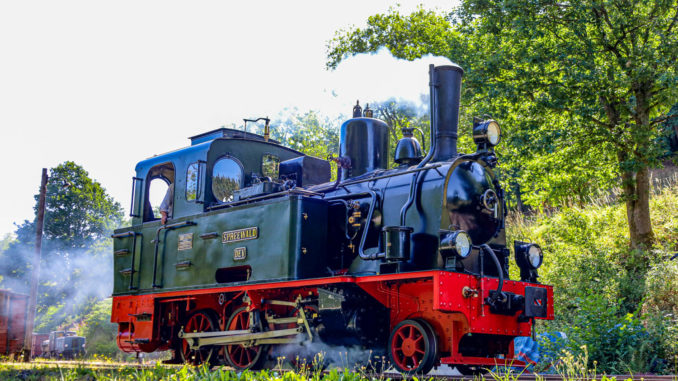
[{"x": 413, "y": 347}]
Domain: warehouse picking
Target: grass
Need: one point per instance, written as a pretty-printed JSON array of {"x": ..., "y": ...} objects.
[
  {"x": 83, "y": 371},
  {"x": 570, "y": 368}
]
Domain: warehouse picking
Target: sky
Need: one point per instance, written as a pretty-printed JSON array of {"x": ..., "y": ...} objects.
[{"x": 108, "y": 84}]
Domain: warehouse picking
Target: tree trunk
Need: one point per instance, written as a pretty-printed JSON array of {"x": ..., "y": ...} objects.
[
  {"x": 637, "y": 194},
  {"x": 519, "y": 201}
]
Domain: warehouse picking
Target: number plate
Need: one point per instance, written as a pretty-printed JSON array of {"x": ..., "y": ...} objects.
[{"x": 239, "y": 253}]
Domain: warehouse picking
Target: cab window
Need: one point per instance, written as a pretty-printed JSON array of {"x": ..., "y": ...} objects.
[
  {"x": 159, "y": 179},
  {"x": 270, "y": 165},
  {"x": 227, "y": 177},
  {"x": 192, "y": 177}
]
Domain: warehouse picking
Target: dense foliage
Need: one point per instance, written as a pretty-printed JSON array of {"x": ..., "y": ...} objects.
[
  {"x": 579, "y": 86},
  {"x": 76, "y": 248},
  {"x": 585, "y": 255},
  {"x": 101, "y": 334}
]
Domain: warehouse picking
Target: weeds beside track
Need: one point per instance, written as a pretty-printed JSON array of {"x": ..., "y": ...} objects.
[{"x": 112, "y": 371}]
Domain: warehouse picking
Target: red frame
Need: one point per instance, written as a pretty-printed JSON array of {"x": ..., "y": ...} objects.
[{"x": 435, "y": 296}]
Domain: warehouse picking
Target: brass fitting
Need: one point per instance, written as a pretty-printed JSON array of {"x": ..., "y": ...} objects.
[{"x": 468, "y": 292}]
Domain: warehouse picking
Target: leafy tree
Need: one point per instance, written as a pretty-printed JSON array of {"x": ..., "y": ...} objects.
[
  {"x": 76, "y": 246},
  {"x": 587, "y": 81},
  {"x": 100, "y": 332},
  {"x": 309, "y": 132},
  {"x": 6, "y": 241},
  {"x": 399, "y": 114}
]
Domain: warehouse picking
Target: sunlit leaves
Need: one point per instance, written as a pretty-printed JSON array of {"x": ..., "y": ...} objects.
[{"x": 578, "y": 86}]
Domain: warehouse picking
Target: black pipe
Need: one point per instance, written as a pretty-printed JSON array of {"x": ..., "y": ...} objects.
[
  {"x": 361, "y": 247},
  {"x": 486, "y": 248},
  {"x": 429, "y": 155},
  {"x": 370, "y": 213},
  {"x": 341, "y": 163}
]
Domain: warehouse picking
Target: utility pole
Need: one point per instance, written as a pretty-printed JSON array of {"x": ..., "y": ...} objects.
[{"x": 33, "y": 298}]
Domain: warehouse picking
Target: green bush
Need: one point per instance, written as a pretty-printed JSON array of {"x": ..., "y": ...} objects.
[
  {"x": 615, "y": 342},
  {"x": 617, "y": 303},
  {"x": 99, "y": 332}
]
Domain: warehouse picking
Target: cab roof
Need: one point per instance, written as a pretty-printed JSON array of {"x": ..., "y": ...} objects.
[
  {"x": 201, "y": 143},
  {"x": 229, "y": 133}
]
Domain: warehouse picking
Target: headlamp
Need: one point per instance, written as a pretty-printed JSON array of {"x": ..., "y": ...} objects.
[
  {"x": 487, "y": 132},
  {"x": 535, "y": 256},
  {"x": 528, "y": 255},
  {"x": 458, "y": 241}
]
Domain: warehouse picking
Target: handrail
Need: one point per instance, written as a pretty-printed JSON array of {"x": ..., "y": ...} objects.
[
  {"x": 134, "y": 236},
  {"x": 200, "y": 194},
  {"x": 166, "y": 228},
  {"x": 134, "y": 193},
  {"x": 363, "y": 238},
  {"x": 297, "y": 191}
]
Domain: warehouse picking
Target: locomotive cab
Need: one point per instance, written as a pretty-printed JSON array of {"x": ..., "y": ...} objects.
[
  {"x": 220, "y": 166},
  {"x": 212, "y": 184}
]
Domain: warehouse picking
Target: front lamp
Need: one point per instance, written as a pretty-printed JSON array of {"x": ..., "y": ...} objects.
[
  {"x": 487, "y": 132},
  {"x": 458, "y": 241},
  {"x": 528, "y": 255}
]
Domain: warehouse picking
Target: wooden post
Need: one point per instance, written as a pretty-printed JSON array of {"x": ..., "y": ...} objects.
[{"x": 35, "y": 276}]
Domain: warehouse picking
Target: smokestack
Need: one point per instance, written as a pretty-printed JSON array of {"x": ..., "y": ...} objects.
[{"x": 445, "y": 96}]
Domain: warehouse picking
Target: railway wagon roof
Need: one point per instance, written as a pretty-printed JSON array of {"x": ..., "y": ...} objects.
[{"x": 6, "y": 291}]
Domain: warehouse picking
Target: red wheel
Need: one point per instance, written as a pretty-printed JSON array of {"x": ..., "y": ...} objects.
[
  {"x": 201, "y": 321},
  {"x": 413, "y": 347},
  {"x": 239, "y": 356}
]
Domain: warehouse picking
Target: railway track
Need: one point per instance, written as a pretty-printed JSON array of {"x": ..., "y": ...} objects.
[
  {"x": 96, "y": 365},
  {"x": 436, "y": 375}
]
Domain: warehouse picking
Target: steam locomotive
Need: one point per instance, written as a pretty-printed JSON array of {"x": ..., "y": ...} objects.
[{"x": 264, "y": 252}]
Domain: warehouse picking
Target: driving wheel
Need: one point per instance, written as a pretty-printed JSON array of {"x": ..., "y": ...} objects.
[
  {"x": 200, "y": 321},
  {"x": 413, "y": 347},
  {"x": 241, "y": 356}
]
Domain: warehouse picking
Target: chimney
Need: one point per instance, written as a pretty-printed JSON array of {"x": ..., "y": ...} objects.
[{"x": 445, "y": 96}]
